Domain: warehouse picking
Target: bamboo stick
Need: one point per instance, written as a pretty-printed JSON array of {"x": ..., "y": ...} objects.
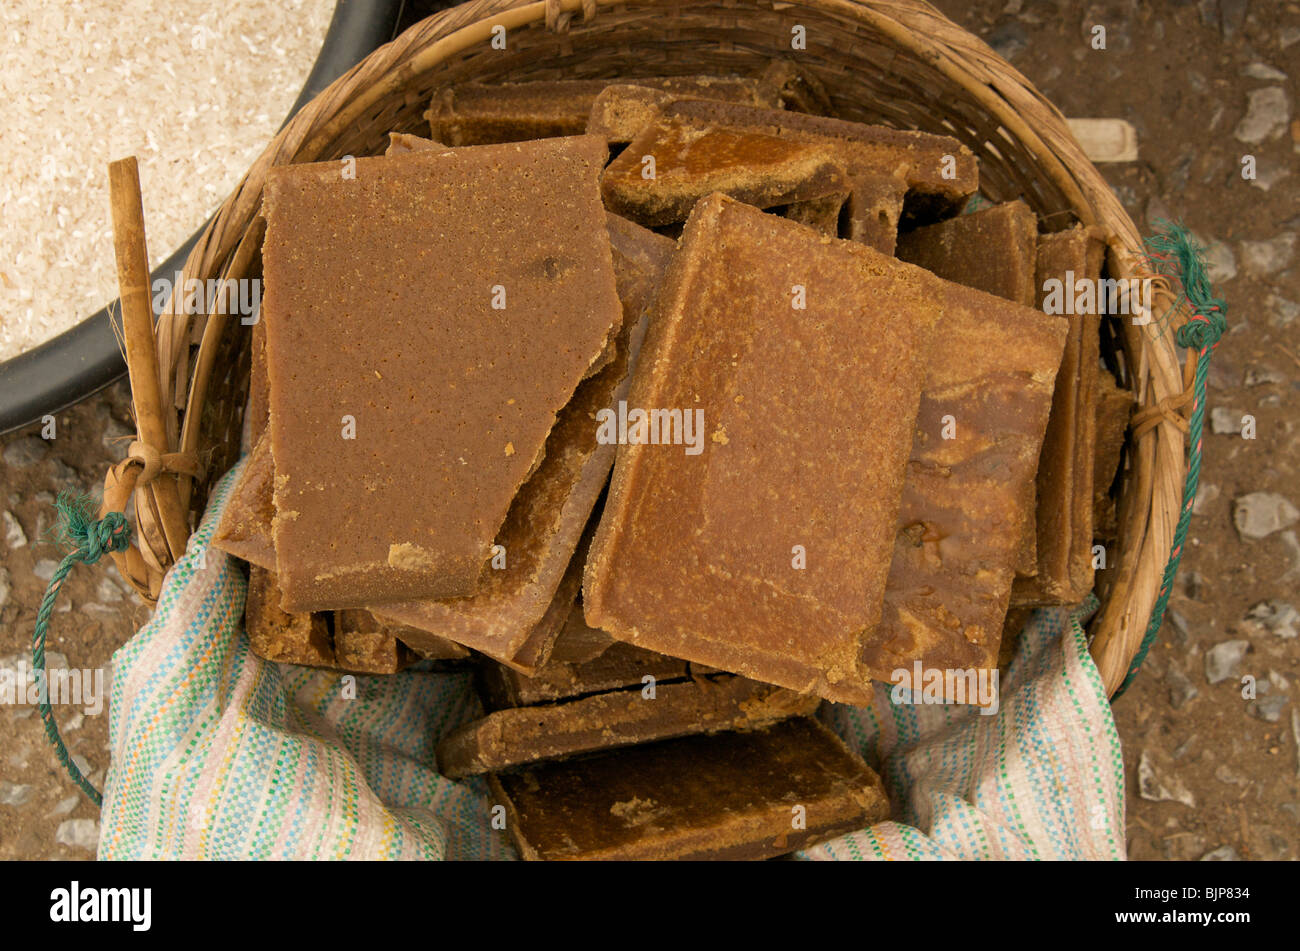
[{"x": 138, "y": 332}]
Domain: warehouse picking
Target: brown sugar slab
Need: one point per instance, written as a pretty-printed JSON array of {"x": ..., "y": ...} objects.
[
  {"x": 534, "y": 653},
  {"x": 276, "y": 635},
  {"x": 620, "y": 665},
  {"x": 990, "y": 375},
  {"x": 520, "y": 735},
  {"x": 640, "y": 258},
  {"x": 940, "y": 173},
  {"x": 1114, "y": 408},
  {"x": 351, "y": 641},
  {"x": 400, "y": 143},
  {"x": 509, "y": 618},
  {"x": 820, "y": 214},
  {"x": 1064, "y": 496},
  {"x": 691, "y": 162},
  {"x": 480, "y": 113},
  {"x": 621, "y": 110},
  {"x": 710, "y": 796},
  {"x": 579, "y": 642},
  {"x": 360, "y": 632},
  {"x": 993, "y": 250},
  {"x": 615, "y": 667},
  {"x": 364, "y": 644},
  {"x": 778, "y": 566},
  {"x": 245, "y": 527},
  {"x": 442, "y": 396},
  {"x": 1081, "y": 554},
  {"x": 245, "y": 532}
]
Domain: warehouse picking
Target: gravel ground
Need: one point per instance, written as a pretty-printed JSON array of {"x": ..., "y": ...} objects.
[{"x": 1210, "y": 727}]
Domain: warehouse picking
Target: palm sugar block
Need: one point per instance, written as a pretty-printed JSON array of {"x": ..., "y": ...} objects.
[
  {"x": 1064, "y": 489},
  {"x": 481, "y": 113},
  {"x": 509, "y": 618},
  {"x": 993, "y": 250},
  {"x": 245, "y": 527},
  {"x": 578, "y": 642},
  {"x": 659, "y": 178},
  {"x": 349, "y": 640},
  {"x": 277, "y": 635},
  {"x": 245, "y": 532},
  {"x": 1114, "y": 408},
  {"x": 614, "y": 666},
  {"x": 802, "y": 359},
  {"x": 989, "y": 381},
  {"x": 640, "y": 714},
  {"x": 729, "y": 796},
  {"x": 892, "y": 175},
  {"x": 621, "y": 110},
  {"x": 409, "y": 401}
]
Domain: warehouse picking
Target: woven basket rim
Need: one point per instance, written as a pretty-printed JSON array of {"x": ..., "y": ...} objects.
[{"x": 1152, "y": 487}]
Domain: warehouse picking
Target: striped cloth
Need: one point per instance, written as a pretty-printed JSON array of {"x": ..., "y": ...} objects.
[{"x": 217, "y": 754}]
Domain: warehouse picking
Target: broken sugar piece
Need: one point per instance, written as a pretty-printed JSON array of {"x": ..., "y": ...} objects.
[
  {"x": 480, "y": 113},
  {"x": 278, "y": 636},
  {"x": 535, "y": 652},
  {"x": 400, "y": 143},
  {"x": 992, "y": 250},
  {"x": 519, "y": 735},
  {"x": 507, "y": 619},
  {"x": 875, "y": 206},
  {"x": 820, "y": 214},
  {"x": 1114, "y": 408},
  {"x": 619, "y": 665},
  {"x": 687, "y": 163},
  {"x": 712, "y": 796},
  {"x": 245, "y": 527},
  {"x": 365, "y": 645},
  {"x": 621, "y": 110},
  {"x": 940, "y": 173},
  {"x": 777, "y": 565},
  {"x": 259, "y": 390},
  {"x": 409, "y": 402},
  {"x": 579, "y": 642},
  {"x": 357, "y": 644},
  {"x": 1081, "y": 549},
  {"x": 990, "y": 374},
  {"x": 1063, "y": 487},
  {"x": 640, "y": 257},
  {"x": 360, "y": 632}
]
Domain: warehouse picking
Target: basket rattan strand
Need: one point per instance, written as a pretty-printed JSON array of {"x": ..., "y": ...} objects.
[{"x": 895, "y": 62}]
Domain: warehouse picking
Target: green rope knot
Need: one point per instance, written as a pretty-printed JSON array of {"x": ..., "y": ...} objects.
[
  {"x": 86, "y": 539},
  {"x": 111, "y": 533},
  {"x": 1202, "y": 331}
]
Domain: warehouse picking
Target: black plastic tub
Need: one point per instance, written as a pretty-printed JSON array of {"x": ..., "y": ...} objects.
[{"x": 85, "y": 358}]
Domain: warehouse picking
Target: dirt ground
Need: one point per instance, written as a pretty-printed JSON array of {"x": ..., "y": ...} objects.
[{"x": 1211, "y": 773}]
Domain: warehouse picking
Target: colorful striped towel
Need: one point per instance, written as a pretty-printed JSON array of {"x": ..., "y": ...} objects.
[{"x": 217, "y": 754}]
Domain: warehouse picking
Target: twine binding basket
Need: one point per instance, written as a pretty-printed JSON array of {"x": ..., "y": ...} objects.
[{"x": 893, "y": 62}]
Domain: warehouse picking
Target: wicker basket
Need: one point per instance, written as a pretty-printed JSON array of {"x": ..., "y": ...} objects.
[{"x": 896, "y": 62}]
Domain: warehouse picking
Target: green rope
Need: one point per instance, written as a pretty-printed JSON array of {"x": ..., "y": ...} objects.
[
  {"x": 1173, "y": 253},
  {"x": 87, "y": 539}
]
